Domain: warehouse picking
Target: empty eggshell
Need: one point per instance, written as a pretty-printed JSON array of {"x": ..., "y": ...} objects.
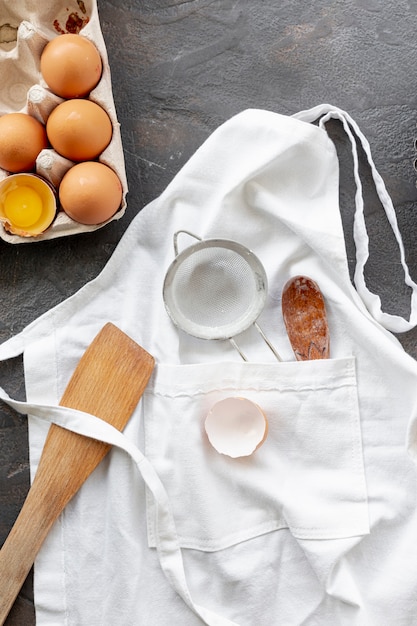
[{"x": 236, "y": 426}]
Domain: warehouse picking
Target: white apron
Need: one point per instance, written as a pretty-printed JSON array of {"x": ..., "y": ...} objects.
[{"x": 319, "y": 525}]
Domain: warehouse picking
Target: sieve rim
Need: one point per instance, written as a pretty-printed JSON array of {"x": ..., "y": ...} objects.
[{"x": 229, "y": 330}]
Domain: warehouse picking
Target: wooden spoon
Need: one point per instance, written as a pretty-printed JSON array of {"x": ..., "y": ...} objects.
[
  {"x": 305, "y": 319},
  {"x": 108, "y": 382}
]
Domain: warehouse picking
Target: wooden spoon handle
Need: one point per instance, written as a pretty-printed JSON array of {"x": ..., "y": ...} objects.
[
  {"x": 108, "y": 382},
  {"x": 305, "y": 319}
]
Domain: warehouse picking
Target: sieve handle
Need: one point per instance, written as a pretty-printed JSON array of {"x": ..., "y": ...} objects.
[
  {"x": 186, "y": 232},
  {"x": 234, "y": 344},
  {"x": 264, "y": 337},
  {"x": 268, "y": 343}
]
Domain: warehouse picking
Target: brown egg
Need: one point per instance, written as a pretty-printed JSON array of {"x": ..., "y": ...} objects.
[
  {"x": 71, "y": 66},
  {"x": 90, "y": 192},
  {"x": 22, "y": 137},
  {"x": 79, "y": 129}
]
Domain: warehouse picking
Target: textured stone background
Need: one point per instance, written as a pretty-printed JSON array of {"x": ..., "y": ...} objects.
[{"x": 179, "y": 70}]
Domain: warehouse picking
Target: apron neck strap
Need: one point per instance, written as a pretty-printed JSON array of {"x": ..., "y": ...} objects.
[{"x": 394, "y": 323}]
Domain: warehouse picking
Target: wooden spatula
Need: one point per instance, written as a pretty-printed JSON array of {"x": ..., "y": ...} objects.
[
  {"x": 108, "y": 382},
  {"x": 305, "y": 319}
]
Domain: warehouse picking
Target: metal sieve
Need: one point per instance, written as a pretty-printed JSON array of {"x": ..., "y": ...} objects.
[{"x": 215, "y": 289}]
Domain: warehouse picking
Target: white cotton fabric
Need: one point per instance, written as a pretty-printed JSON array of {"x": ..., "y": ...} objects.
[{"x": 319, "y": 525}]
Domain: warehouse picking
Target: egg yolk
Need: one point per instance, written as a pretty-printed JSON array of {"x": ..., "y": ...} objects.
[{"x": 23, "y": 206}]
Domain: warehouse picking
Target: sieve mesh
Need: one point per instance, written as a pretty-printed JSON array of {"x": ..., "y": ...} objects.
[{"x": 214, "y": 286}]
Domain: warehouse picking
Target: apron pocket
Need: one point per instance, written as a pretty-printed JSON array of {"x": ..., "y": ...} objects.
[{"x": 307, "y": 476}]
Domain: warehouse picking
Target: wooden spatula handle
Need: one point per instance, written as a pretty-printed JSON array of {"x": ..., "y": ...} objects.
[
  {"x": 108, "y": 382},
  {"x": 71, "y": 454}
]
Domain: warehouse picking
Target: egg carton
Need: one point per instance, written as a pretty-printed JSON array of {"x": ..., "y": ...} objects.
[{"x": 25, "y": 29}]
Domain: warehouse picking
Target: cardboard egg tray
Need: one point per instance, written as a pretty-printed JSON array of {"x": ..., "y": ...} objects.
[{"x": 25, "y": 29}]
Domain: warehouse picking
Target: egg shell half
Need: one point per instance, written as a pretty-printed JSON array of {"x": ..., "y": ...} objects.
[{"x": 236, "y": 426}]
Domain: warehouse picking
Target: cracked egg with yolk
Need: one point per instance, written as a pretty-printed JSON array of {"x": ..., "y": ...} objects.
[{"x": 27, "y": 204}]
